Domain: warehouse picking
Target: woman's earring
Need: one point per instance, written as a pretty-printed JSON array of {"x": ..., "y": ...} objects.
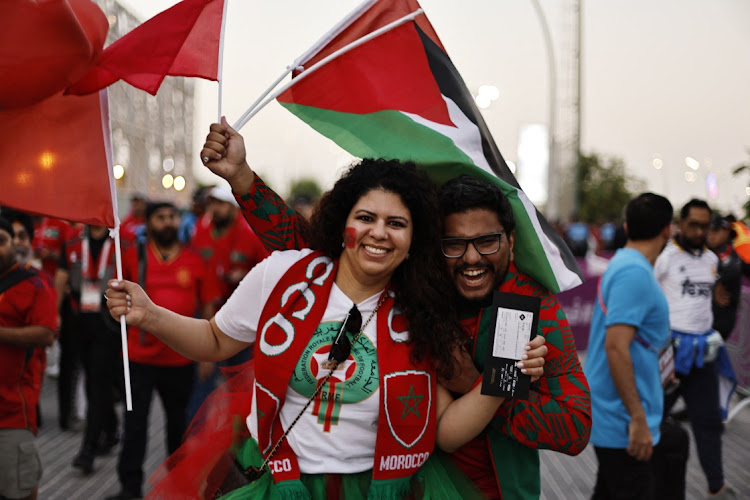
[
  {"x": 343, "y": 245},
  {"x": 407, "y": 255}
]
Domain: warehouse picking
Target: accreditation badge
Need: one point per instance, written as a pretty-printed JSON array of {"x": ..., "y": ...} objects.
[
  {"x": 91, "y": 297},
  {"x": 666, "y": 364}
]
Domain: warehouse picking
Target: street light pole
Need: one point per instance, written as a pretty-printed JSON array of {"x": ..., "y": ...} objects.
[{"x": 553, "y": 204}]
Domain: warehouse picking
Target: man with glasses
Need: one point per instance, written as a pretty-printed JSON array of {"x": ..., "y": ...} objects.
[
  {"x": 478, "y": 248},
  {"x": 686, "y": 271}
]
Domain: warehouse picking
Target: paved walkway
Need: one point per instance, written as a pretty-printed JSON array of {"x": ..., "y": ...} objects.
[{"x": 563, "y": 477}]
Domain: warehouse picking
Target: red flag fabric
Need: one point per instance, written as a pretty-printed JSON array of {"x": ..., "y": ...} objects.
[
  {"x": 57, "y": 159},
  {"x": 181, "y": 41},
  {"x": 46, "y": 46}
]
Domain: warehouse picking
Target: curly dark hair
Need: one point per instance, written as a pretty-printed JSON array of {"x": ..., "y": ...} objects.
[
  {"x": 423, "y": 289},
  {"x": 466, "y": 192}
]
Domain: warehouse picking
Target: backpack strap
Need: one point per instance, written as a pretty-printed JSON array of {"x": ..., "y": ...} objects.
[
  {"x": 142, "y": 276},
  {"x": 14, "y": 277}
]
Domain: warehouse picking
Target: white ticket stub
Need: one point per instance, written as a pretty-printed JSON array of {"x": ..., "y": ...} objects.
[{"x": 512, "y": 333}]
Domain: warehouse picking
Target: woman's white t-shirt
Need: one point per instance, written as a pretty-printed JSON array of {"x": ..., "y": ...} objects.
[{"x": 337, "y": 432}]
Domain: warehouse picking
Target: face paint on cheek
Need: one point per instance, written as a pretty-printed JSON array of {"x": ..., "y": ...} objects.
[{"x": 350, "y": 236}]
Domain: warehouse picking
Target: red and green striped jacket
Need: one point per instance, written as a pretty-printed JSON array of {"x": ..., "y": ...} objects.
[{"x": 557, "y": 415}]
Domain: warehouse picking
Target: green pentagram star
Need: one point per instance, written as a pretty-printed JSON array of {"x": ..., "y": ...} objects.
[{"x": 411, "y": 403}]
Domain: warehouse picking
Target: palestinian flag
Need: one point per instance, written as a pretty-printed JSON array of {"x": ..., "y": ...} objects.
[{"x": 398, "y": 95}]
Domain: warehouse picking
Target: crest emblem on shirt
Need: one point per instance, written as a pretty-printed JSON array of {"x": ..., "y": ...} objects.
[
  {"x": 183, "y": 277},
  {"x": 353, "y": 381},
  {"x": 408, "y": 403}
]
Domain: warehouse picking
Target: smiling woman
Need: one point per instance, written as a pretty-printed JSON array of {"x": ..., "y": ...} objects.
[
  {"x": 378, "y": 213},
  {"x": 351, "y": 336}
]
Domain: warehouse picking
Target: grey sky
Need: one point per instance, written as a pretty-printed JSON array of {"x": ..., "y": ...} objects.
[{"x": 667, "y": 77}]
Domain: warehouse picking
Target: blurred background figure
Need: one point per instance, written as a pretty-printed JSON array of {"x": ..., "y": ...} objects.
[
  {"x": 134, "y": 224},
  {"x": 731, "y": 268},
  {"x": 27, "y": 325},
  {"x": 686, "y": 272},
  {"x": 304, "y": 195},
  {"x": 230, "y": 249},
  {"x": 23, "y": 228},
  {"x": 304, "y": 206},
  {"x": 86, "y": 263},
  {"x": 177, "y": 279},
  {"x": 47, "y": 242},
  {"x": 577, "y": 236},
  {"x": 194, "y": 214}
]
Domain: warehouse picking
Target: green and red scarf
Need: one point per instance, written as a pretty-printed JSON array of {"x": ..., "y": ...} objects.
[{"x": 295, "y": 308}]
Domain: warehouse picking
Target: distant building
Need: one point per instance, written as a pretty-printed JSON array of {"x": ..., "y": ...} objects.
[{"x": 151, "y": 136}]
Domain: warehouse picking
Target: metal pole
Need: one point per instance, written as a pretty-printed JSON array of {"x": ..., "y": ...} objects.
[
  {"x": 578, "y": 59},
  {"x": 553, "y": 205}
]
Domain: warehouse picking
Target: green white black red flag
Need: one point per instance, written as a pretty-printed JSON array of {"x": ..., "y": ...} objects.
[{"x": 398, "y": 95}]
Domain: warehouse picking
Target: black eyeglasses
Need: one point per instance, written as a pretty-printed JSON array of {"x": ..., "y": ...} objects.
[
  {"x": 342, "y": 346},
  {"x": 486, "y": 244}
]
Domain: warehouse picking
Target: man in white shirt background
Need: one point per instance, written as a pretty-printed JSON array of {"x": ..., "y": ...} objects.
[{"x": 686, "y": 271}]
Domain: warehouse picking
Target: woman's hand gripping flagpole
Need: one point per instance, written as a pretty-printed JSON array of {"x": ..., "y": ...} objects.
[{"x": 123, "y": 325}]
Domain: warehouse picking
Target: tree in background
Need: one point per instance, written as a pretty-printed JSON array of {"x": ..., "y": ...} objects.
[
  {"x": 605, "y": 188},
  {"x": 308, "y": 188},
  {"x": 303, "y": 196}
]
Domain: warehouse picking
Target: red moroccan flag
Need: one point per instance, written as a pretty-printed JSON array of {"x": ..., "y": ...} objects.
[
  {"x": 57, "y": 159},
  {"x": 184, "y": 40}
]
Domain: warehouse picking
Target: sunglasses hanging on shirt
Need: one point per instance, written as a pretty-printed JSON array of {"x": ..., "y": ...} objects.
[
  {"x": 340, "y": 351},
  {"x": 342, "y": 346}
]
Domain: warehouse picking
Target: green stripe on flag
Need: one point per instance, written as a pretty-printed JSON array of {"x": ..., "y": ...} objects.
[{"x": 392, "y": 134}]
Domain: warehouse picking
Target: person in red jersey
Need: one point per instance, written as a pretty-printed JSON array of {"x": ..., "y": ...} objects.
[
  {"x": 226, "y": 242},
  {"x": 48, "y": 241},
  {"x": 27, "y": 324},
  {"x": 228, "y": 246},
  {"x": 134, "y": 224},
  {"x": 176, "y": 278}
]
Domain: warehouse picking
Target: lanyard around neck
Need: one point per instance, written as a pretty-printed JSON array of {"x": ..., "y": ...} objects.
[{"x": 103, "y": 258}]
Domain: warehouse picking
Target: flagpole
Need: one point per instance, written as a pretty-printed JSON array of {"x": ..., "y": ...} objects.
[
  {"x": 219, "y": 70},
  {"x": 115, "y": 233},
  {"x": 247, "y": 115},
  {"x": 322, "y": 41},
  {"x": 123, "y": 325}
]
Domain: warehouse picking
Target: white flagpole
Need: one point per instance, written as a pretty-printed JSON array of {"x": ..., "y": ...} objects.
[
  {"x": 219, "y": 70},
  {"x": 330, "y": 35},
  {"x": 343, "y": 50},
  {"x": 115, "y": 233}
]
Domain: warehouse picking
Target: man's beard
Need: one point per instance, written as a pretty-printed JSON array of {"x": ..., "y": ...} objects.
[
  {"x": 692, "y": 244},
  {"x": 223, "y": 222},
  {"x": 165, "y": 237},
  {"x": 23, "y": 256}
]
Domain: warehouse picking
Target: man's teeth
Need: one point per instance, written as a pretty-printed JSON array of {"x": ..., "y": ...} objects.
[
  {"x": 474, "y": 272},
  {"x": 375, "y": 250}
]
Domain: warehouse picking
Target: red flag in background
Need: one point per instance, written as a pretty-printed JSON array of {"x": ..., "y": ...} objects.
[
  {"x": 183, "y": 40},
  {"x": 46, "y": 46},
  {"x": 57, "y": 159}
]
